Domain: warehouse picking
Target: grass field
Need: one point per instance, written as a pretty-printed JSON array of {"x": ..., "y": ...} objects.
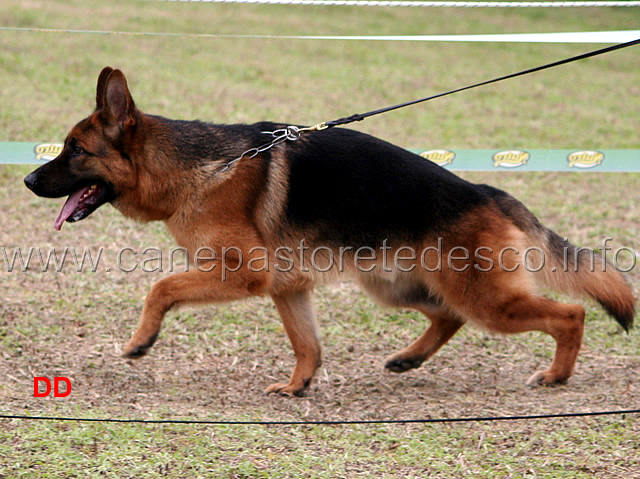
[{"x": 214, "y": 362}]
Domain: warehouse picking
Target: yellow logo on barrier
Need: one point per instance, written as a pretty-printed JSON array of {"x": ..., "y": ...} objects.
[
  {"x": 585, "y": 159},
  {"x": 47, "y": 151},
  {"x": 510, "y": 159},
  {"x": 439, "y": 157}
]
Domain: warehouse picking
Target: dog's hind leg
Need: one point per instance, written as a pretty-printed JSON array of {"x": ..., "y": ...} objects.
[
  {"x": 297, "y": 316},
  {"x": 443, "y": 326},
  {"x": 527, "y": 312},
  {"x": 407, "y": 292}
]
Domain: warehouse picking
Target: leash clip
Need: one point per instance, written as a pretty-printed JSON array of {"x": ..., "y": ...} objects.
[{"x": 318, "y": 127}]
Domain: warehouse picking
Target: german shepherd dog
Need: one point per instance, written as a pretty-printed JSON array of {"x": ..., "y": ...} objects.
[{"x": 332, "y": 203}]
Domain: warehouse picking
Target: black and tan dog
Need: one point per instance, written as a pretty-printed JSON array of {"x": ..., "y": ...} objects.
[{"x": 411, "y": 233}]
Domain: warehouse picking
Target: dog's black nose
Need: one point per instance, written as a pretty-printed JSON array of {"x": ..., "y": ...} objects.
[{"x": 31, "y": 180}]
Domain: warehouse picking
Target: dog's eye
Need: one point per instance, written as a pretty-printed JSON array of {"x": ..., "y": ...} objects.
[{"x": 78, "y": 150}]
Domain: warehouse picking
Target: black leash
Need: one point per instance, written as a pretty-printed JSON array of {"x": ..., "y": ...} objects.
[
  {"x": 362, "y": 116},
  {"x": 292, "y": 133}
]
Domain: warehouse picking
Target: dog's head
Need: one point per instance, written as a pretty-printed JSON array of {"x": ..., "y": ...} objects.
[{"x": 94, "y": 166}]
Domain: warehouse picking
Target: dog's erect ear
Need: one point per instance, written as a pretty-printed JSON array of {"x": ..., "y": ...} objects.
[
  {"x": 102, "y": 83},
  {"x": 116, "y": 106}
]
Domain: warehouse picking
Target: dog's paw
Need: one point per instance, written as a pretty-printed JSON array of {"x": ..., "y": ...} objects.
[
  {"x": 134, "y": 349},
  {"x": 545, "y": 378},
  {"x": 285, "y": 390},
  {"x": 134, "y": 352},
  {"x": 400, "y": 364}
]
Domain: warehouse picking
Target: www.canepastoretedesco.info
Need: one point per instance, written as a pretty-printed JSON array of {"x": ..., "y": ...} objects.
[{"x": 319, "y": 259}]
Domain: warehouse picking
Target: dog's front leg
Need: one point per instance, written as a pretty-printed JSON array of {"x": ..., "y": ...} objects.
[
  {"x": 299, "y": 322},
  {"x": 192, "y": 287}
]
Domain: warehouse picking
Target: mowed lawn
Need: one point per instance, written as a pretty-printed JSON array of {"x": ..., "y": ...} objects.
[{"x": 213, "y": 363}]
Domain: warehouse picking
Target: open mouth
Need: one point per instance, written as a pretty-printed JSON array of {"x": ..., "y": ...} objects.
[{"x": 82, "y": 203}]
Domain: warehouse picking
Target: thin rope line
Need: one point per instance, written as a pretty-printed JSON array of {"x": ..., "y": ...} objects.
[
  {"x": 325, "y": 422},
  {"x": 612, "y": 36},
  {"x": 386, "y": 3}
]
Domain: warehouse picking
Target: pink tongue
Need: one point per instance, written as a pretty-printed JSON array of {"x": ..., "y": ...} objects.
[{"x": 69, "y": 207}]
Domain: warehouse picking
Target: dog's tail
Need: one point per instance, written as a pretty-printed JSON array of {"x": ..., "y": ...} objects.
[
  {"x": 574, "y": 270},
  {"x": 585, "y": 272}
]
